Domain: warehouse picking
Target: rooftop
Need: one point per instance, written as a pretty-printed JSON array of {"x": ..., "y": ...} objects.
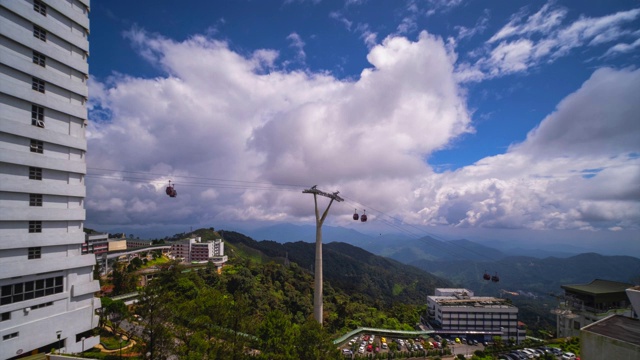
[
  {"x": 476, "y": 301},
  {"x": 599, "y": 286},
  {"x": 618, "y": 327}
]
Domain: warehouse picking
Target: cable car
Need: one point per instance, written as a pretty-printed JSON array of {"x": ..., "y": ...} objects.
[
  {"x": 495, "y": 278},
  {"x": 355, "y": 215},
  {"x": 486, "y": 276},
  {"x": 363, "y": 218},
  {"x": 171, "y": 191}
]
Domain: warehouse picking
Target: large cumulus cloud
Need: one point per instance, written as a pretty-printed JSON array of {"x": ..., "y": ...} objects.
[
  {"x": 241, "y": 138},
  {"x": 219, "y": 114},
  {"x": 578, "y": 169}
]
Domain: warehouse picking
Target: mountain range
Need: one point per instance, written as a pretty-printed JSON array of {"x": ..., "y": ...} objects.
[
  {"x": 401, "y": 246},
  {"x": 463, "y": 262}
]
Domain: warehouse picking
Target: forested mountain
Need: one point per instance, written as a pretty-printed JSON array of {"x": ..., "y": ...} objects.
[
  {"x": 263, "y": 299},
  {"x": 350, "y": 269},
  {"x": 529, "y": 282},
  {"x": 541, "y": 276}
]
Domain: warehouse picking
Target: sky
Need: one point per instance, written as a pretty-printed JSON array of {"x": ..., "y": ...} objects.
[{"x": 511, "y": 120}]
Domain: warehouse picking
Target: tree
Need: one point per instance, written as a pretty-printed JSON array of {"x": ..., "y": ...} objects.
[
  {"x": 123, "y": 281},
  {"x": 117, "y": 311},
  {"x": 154, "y": 306},
  {"x": 276, "y": 336},
  {"x": 314, "y": 342}
]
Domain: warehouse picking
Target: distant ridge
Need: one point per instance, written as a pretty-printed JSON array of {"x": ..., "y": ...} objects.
[
  {"x": 284, "y": 233},
  {"x": 350, "y": 268}
]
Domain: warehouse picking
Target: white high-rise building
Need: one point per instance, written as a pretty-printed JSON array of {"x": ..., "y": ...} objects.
[{"x": 46, "y": 284}]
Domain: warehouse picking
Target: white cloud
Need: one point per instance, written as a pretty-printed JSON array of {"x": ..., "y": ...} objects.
[
  {"x": 297, "y": 44},
  {"x": 541, "y": 183},
  {"x": 526, "y": 42},
  {"x": 510, "y": 57},
  {"x": 543, "y": 21},
  {"x": 219, "y": 115},
  {"x": 623, "y": 48},
  {"x": 336, "y": 15},
  {"x": 478, "y": 28},
  {"x": 441, "y": 6}
]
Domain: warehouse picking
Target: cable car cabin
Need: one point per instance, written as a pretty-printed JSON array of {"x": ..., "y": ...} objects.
[
  {"x": 363, "y": 218},
  {"x": 171, "y": 191},
  {"x": 486, "y": 276},
  {"x": 355, "y": 215},
  {"x": 495, "y": 278}
]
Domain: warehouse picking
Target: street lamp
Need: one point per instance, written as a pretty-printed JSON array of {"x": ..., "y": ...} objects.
[
  {"x": 59, "y": 333},
  {"x": 82, "y": 343}
]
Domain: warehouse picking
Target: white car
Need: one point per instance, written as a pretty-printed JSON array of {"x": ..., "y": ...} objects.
[
  {"x": 568, "y": 356},
  {"x": 531, "y": 353}
]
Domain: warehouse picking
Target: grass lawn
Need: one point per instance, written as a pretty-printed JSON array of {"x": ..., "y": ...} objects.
[{"x": 112, "y": 342}]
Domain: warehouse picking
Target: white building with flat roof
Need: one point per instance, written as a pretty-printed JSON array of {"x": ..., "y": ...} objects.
[
  {"x": 195, "y": 249},
  {"x": 46, "y": 283},
  {"x": 458, "y": 312}
]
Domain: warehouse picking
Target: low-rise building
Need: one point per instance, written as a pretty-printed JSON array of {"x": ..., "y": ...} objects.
[
  {"x": 584, "y": 304},
  {"x": 95, "y": 243},
  {"x": 614, "y": 336},
  {"x": 458, "y": 311},
  {"x": 117, "y": 244},
  {"x": 196, "y": 250},
  {"x": 138, "y": 243}
]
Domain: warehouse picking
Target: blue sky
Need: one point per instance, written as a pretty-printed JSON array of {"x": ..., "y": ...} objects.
[{"x": 460, "y": 116}]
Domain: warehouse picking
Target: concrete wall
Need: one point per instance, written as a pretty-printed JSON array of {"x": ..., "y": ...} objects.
[{"x": 597, "y": 347}]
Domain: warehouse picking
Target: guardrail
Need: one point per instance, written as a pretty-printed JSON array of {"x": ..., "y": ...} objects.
[{"x": 381, "y": 332}]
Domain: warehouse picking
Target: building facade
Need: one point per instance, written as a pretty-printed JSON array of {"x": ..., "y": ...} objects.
[
  {"x": 584, "y": 304},
  {"x": 199, "y": 251},
  {"x": 46, "y": 284},
  {"x": 615, "y": 335},
  {"x": 95, "y": 243},
  {"x": 459, "y": 312}
]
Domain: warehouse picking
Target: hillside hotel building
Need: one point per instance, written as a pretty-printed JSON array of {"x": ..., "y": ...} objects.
[
  {"x": 46, "y": 283},
  {"x": 459, "y": 312}
]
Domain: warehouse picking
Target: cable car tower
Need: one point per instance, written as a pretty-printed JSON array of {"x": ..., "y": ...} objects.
[{"x": 317, "y": 289}]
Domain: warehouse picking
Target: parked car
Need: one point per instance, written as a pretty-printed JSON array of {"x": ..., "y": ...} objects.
[
  {"x": 568, "y": 356},
  {"x": 556, "y": 351},
  {"x": 531, "y": 353}
]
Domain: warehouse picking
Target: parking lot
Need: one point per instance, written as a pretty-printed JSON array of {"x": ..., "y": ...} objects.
[{"x": 365, "y": 344}]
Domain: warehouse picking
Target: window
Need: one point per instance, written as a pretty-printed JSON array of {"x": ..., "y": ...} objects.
[
  {"x": 37, "y": 146},
  {"x": 37, "y": 116},
  {"x": 50, "y": 303},
  {"x": 40, "y": 7},
  {"x": 37, "y": 84},
  {"x": 34, "y": 289},
  {"x": 39, "y": 33},
  {"x": 35, "y": 199},
  {"x": 5, "y": 316},
  {"x": 39, "y": 59},
  {"x": 35, "y": 253},
  {"x": 35, "y": 173},
  {"x": 10, "y": 336},
  {"x": 35, "y": 226}
]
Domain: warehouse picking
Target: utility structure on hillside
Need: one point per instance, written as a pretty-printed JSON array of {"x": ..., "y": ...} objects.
[{"x": 317, "y": 289}]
